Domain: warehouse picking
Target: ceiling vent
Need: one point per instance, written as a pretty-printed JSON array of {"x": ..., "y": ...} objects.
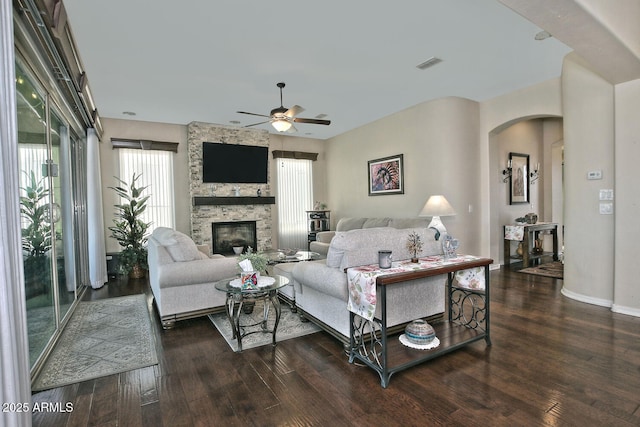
[{"x": 429, "y": 63}]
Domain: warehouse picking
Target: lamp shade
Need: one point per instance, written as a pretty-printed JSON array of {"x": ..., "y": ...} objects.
[
  {"x": 281, "y": 125},
  {"x": 437, "y": 206}
]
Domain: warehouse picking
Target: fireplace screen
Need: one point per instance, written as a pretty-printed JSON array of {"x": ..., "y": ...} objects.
[{"x": 227, "y": 235}]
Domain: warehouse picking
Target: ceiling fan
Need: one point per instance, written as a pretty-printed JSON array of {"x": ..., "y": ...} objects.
[{"x": 282, "y": 118}]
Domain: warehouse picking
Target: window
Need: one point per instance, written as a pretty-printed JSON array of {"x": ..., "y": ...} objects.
[
  {"x": 155, "y": 168},
  {"x": 295, "y": 197}
]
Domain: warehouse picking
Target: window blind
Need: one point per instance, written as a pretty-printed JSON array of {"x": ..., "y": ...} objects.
[
  {"x": 295, "y": 197},
  {"x": 156, "y": 172}
]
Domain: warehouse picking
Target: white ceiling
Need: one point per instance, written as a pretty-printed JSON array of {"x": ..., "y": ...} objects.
[{"x": 195, "y": 60}]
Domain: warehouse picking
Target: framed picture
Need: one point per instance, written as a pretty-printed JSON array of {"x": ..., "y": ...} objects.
[
  {"x": 386, "y": 176},
  {"x": 519, "y": 182}
]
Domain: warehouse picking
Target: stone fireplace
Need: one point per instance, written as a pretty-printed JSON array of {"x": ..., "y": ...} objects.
[
  {"x": 227, "y": 235},
  {"x": 218, "y": 202}
]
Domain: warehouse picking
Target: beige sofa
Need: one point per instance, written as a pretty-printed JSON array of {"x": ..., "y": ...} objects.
[
  {"x": 182, "y": 275},
  {"x": 322, "y": 290},
  {"x": 323, "y": 238}
]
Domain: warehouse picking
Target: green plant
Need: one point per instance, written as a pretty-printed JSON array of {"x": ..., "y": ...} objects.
[
  {"x": 258, "y": 259},
  {"x": 128, "y": 229},
  {"x": 36, "y": 236}
]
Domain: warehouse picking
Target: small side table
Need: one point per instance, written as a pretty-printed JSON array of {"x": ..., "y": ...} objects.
[{"x": 237, "y": 297}]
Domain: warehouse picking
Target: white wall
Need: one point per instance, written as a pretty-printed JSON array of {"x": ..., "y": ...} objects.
[
  {"x": 626, "y": 298},
  {"x": 439, "y": 141},
  {"x": 589, "y": 140}
]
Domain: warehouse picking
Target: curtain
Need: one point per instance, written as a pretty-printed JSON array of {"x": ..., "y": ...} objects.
[
  {"x": 95, "y": 218},
  {"x": 14, "y": 347},
  {"x": 295, "y": 197}
]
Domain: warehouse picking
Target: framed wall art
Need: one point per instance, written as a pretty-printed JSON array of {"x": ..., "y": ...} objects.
[
  {"x": 519, "y": 182},
  {"x": 386, "y": 176}
]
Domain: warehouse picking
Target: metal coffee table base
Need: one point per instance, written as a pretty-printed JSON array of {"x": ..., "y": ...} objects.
[{"x": 234, "y": 304}]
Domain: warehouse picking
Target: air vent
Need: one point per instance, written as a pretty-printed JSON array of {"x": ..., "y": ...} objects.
[
  {"x": 321, "y": 116},
  {"x": 429, "y": 63}
]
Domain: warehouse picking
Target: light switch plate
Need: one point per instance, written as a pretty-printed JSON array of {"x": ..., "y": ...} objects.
[{"x": 606, "y": 194}]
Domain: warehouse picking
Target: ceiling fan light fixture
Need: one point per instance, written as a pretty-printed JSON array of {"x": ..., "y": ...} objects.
[{"x": 281, "y": 125}]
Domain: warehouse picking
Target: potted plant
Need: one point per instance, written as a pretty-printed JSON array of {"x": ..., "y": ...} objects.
[
  {"x": 129, "y": 230},
  {"x": 258, "y": 259},
  {"x": 36, "y": 235},
  {"x": 414, "y": 246}
]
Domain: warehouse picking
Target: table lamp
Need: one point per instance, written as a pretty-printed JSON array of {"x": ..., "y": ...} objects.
[{"x": 436, "y": 207}]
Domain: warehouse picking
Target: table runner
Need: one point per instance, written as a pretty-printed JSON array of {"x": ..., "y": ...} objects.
[
  {"x": 514, "y": 232},
  {"x": 362, "y": 280}
]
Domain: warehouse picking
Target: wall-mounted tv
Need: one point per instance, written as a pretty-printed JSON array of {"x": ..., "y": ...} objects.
[{"x": 233, "y": 163}]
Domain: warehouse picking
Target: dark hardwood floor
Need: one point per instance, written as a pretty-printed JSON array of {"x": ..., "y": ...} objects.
[{"x": 554, "y": 361}]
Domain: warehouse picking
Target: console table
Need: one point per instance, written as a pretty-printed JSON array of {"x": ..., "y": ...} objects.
[
  {"x": 529, "y": 233},
  {"x": 467, "y": 320}
]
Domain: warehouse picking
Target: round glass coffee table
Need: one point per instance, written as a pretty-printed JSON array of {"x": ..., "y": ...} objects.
[
  {"x": 276, "y": 257},
  {"x": 237, "y": 297}
]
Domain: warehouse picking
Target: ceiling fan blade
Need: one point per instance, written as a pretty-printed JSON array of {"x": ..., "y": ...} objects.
[
  {"x": 292, "y": 129},
  {"x": 294, "y": 111},
  {"x": 252, "y": 114},
  {"x": 312, "y": 121},
  {"x": 256, "y": 124}
]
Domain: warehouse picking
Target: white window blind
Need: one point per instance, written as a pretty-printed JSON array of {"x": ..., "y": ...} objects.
[
  {"x": 156, "y": 172},
  {"x": 295, "y": 197}
]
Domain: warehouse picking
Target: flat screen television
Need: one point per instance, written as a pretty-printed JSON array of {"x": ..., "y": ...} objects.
[{"x": 233, "y": 163}]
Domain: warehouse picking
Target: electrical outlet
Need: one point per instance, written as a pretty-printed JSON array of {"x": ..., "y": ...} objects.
[{"x": 606, "y": 208}]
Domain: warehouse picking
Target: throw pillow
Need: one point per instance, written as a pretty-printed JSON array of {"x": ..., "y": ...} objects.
[
  {"x": 184, "y": 249},
  {"x": 164, "y": 236}
]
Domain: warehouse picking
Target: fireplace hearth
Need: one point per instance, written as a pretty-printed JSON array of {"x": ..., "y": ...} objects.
[{"x": 227, "y": 235}]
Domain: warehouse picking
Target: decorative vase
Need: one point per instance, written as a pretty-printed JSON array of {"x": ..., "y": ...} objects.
[
  {"x": 414, "y": 260},
  {"x": 137, "y": 272},
  {"x": 419, "y": 332},
  {"x": 520, "y": 250},
  {"x": 538, "y": 246},
  {"x": 531, "y": 218}
]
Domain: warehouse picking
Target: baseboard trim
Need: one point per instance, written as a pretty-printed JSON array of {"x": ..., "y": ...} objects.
[
  {"x": 630, "y": 311},
  {"x": 585, "y": 298}
]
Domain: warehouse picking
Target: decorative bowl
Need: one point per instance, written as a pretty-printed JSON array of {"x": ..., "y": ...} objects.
[
  {"x": 238, "y": 249},
  {"x": 419, "y": 332},
  {"x": 288, "y": 252}
]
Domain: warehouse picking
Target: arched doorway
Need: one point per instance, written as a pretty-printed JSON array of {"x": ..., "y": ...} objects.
[{"x": 541, "y": 138}]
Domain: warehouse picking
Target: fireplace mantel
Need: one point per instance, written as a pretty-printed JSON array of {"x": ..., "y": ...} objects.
[{"x": 240, "y": 200}]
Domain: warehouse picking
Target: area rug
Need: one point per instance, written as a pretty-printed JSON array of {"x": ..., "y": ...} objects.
[
  {"x": 102, "y": 338},
  {"x": 550, "y": 269},
  {"x": 290, "y": 326}
]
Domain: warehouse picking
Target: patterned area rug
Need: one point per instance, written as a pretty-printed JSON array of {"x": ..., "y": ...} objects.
[
  {"x": 550, "y": 269},
  {"x": 290, "y": 326},
  {"x": 102, "y": 338}
]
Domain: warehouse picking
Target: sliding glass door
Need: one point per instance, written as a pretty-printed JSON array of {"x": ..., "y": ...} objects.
[{"x": 47, "y": 211}]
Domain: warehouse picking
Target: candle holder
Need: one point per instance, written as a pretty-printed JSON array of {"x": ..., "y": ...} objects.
[{"x": 507, "y": 172}]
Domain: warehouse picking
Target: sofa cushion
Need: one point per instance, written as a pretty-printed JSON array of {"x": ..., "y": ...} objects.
[
  {"x": 346, "y": 224},
  {"x": 409, "y": 222},
  {"x": 164, "y": 236},
  {"x": 376, "y": 222},
  {"x": 360, "y": 247},
  {"x": 179, "y": 245},
  {"x": 347, "y": 241}
]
